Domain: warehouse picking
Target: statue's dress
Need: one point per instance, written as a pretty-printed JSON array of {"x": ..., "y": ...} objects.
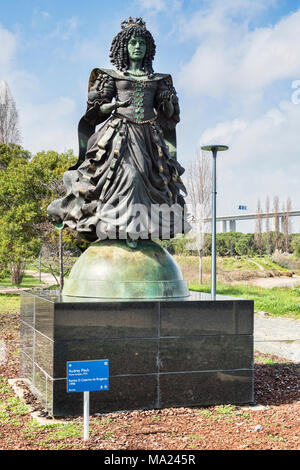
[{"x": 126, "y": 169}]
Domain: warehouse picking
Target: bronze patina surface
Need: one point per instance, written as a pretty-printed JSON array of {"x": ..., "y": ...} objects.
[
  {"x": 127, "y": 181},
  {"x": 111, "y": 269}
]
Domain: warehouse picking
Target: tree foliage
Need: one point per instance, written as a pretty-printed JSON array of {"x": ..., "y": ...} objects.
[
  {"x": 234, "y": 244},
  {"x": 26, "y": 189},
  {"x": 9, "y": 118},
  {"x": 296, "y": 244}
]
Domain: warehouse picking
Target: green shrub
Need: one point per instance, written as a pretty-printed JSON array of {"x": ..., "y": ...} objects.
[{"x": 296, "y": 245}]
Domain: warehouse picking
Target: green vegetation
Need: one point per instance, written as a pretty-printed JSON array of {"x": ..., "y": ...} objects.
[
  {"x": 63, "y": 431},
  {"x": 11, "y": 406},
  {"x": 5, "y": 389},
  {"x": 241, "y": 269},
  {"x": 27, "y": 185},
  {"x": 27, "y": 281},
  {"x": 226, "y": 410},
  {"x": 276, "y": 301},
  {"x": 205, "y": 412},
  {"x": 9, "y": 303},
  {"x": 267, "y": 263},
  {"x": 296, "y": 245},
  {"x": 194, "y": 436},
  {"x": 235, "y": 244},
  {"x": 276, "y": 438},
  {"x": 244, "y": 263},
  {"x": 16, "y": 406},
  {"x": 264, "y": 360}
]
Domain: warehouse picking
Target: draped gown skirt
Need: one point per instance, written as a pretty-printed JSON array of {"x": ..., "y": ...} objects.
[{"x": 127, "y": 187}]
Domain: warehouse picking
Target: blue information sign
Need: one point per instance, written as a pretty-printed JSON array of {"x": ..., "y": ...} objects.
[{"x": 87, "y": 376}]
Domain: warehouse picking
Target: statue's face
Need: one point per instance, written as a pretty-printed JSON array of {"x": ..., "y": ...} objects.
[{"x": 136, "y": 48}]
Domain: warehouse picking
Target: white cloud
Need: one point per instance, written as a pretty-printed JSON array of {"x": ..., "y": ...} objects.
[
  {"x": 8, "y": 48},
  {"x": 49, "y": 125},
  {"x": 156, "y": 6},
  {"x": 236, "y": 71},
  {"x": 262, "y": 158},
  {"x": 38, "y": 16},
  {"x": 20, "y": 81},
  {"x": 65, "y": 30},
  {"x": 223, "y": 132},
  {"x": 236, "y": 60},
  {"x": 216, "y": 16}
]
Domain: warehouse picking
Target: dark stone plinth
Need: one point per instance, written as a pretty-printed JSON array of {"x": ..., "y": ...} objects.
[{"x": 191, "y": 352}]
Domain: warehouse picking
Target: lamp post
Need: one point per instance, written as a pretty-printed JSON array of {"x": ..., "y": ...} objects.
[
  {"x": 214, "y": 149},
  {"x": 60, "y": 255}
]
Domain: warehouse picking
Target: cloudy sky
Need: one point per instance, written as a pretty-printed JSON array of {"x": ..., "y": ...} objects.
[{"x": 235, "y": 65}]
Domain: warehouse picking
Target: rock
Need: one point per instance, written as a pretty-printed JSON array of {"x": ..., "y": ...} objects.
[
  {"x": 262, "y": 313},
  {"x": 258, "y": 427},
  {"x": 2, "y": 352}
]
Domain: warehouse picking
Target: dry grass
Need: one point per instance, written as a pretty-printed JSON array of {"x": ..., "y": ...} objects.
[
  {"x": 230, "y": 269},
  {"x": 286, "y": 260}
]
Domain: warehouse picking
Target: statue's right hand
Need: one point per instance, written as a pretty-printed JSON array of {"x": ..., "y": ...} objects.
[{"x": 107, "y": 108}]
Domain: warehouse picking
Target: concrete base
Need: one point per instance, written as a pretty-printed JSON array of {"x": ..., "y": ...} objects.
[{"x": 169, "y": 353}]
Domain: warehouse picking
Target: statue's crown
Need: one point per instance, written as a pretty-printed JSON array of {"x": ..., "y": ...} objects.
[{"x": 131, "y": 22}]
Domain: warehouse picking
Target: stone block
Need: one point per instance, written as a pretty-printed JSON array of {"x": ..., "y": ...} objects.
[{"x": 191, "y": 352}]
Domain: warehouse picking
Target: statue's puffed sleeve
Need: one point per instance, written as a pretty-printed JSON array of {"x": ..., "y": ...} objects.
[
  {"x": 165, "y": 100},
  {"x": 102, "y": 90},
  {"x": 166, "y": 93}
]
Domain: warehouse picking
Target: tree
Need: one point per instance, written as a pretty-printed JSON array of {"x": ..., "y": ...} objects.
[
  {"x": 9, "y": 118},
  {"x": 286, "y": 224},
  {"x": 276, "y": 220},
  {"x": 199, "y": 187},
  {"x": 268, "y": 248},
  {"x": 258, "y": 229},
  {"x": 296, "y": 244},
  {"x": 19, "y": 210},
  {"x": 10, "y": 136},
  {"x": 57, "y": 247},
  {"x": 57, "y": 251},
  {"x": 25, "y": 192},
  {"x": 244, "y": 244}
]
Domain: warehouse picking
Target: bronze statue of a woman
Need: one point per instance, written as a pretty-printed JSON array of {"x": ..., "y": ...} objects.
[
  {"x": 125, "y": 189},
  {"x": 131, "y": 159}
]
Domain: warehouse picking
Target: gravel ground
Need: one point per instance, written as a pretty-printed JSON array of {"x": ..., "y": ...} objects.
[
  {"x": 272, "y": 425},
  {"x": 281, "y": 281}
]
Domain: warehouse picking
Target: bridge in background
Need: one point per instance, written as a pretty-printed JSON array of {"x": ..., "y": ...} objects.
[{"x": 229, "y": 221}]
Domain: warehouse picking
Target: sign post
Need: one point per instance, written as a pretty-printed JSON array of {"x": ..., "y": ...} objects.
[
  {"x": 87, "y": 376},
  {"x": 86, "y": 415}
]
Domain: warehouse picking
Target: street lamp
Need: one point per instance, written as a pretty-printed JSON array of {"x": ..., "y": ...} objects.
[{"x": 214, "y": 149}]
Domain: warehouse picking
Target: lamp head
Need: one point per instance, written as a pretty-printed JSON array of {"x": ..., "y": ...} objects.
[{"x": 214, "y": 148}]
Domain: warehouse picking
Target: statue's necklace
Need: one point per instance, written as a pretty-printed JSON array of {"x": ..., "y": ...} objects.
[{"x": 137, "y": 74}]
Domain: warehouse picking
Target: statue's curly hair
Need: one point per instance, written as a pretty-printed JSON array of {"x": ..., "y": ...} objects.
[{"x": 119, "y": 53}]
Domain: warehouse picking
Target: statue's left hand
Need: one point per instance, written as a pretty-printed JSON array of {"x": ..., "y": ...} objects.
[
  {"x": 93, "y": 96},
  {"x": 168, "y": 108}
]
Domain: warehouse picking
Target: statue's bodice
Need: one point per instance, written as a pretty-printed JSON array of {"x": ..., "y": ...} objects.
[{"x": 142, "y": 95}]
